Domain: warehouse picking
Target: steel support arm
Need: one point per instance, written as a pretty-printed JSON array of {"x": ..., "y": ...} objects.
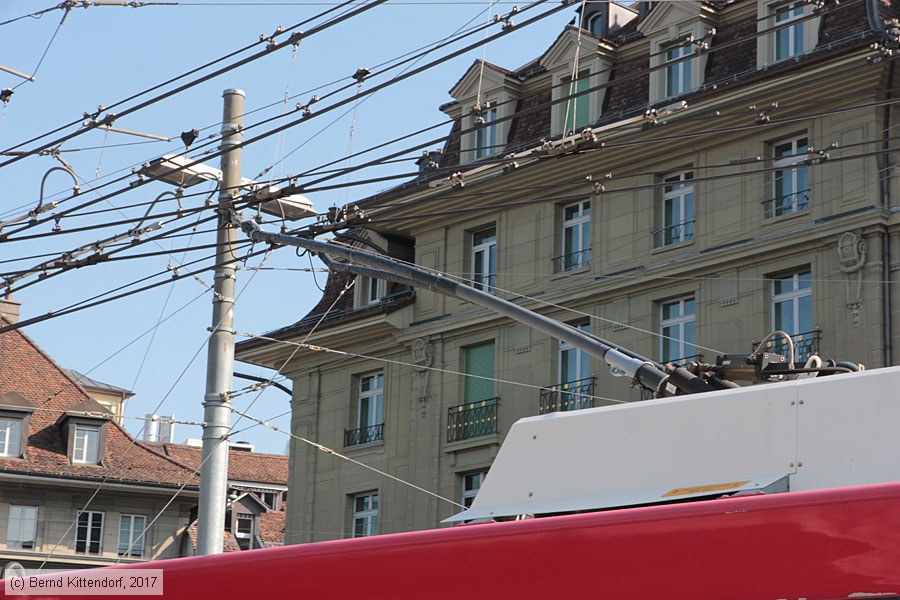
[{"x": 643, "y": 372}]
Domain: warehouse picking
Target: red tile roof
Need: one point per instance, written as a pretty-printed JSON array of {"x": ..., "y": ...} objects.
[
  {"x": 27, "y": 370},
  {"x": 271, "y": 527},
  {"x": 242, "y": 465}
]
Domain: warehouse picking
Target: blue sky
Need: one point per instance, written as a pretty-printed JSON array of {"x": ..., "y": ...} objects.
[{"x": 103, "y": 54}]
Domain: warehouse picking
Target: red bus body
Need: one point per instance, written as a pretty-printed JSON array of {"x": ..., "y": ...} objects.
[{"x": 815, "y": 545}]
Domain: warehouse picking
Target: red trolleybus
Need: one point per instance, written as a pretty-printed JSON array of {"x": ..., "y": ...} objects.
[{"x": 814, "y": 545}]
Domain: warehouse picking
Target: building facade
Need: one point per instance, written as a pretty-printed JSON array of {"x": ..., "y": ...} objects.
[
  {"x": 679, "y": 178},
  {"x": 77, "y": 491}
]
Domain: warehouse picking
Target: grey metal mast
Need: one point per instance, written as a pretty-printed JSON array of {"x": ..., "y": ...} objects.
[{"x": 220, "y": 353}]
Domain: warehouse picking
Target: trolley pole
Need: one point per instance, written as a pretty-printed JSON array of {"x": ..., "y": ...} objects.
[{"x": 220, "y": 354}]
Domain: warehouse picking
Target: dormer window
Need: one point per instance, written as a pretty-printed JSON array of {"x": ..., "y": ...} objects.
[
  {"x": 15, "y": 413},
  {"x": 680, "y": 34},
  {"x": 87, "y": 444},
  {"x": 85, "y": 426},
  {"x": 786, "y": 30},
  {"x": 485, "y": 102},
  {"x": 580, "y": 67}
]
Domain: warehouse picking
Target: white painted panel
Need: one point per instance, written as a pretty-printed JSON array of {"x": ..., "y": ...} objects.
[
  {"x": 849, "y": 434},
  {"x": 630, "y": 454}
]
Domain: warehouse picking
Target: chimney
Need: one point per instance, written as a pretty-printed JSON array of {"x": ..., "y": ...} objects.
[{"x": 9, "y": 309}]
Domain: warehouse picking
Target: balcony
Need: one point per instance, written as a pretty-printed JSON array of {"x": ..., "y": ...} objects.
[
  {"x": 673, "y": 234},
  {"x": 786, "y": 205},
  {"x": 472, "y": 420},
  {"x": 572, "y": 261},
  {"x": 364, "y": 435},
  {"x": 571, "y": 395},
  {"x": 805, "y": 345}
]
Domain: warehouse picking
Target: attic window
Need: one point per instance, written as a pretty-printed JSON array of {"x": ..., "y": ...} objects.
[
  {"x": 87, "y": 444},
  {"x": 85, "y": 432},
  {"x": 10, "y": 437},
  {"x": 15, "y": 413}
]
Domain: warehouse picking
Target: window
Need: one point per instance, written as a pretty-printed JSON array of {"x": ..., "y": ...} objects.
[
  {"x": 89, "y": 532},
  {"x": 574, "y": 364},
  {"x": 365, "y": 515},
  {"x": 789, "y": 37},
  {"x": 676, "y": 330},
  {"x": 574, "y": 376},
  {"x": 471, "y": 483},
  {"x": 790, "y": 184},
  {"x": 131, "y": 535},
  {"x": 577, "y": 109},
  {"x": 479, "y": 369},
  {"x": 244, "y": 527},
  {"x": 374, "y": 290},
  {"x": 87, "y": 444},
  {"x": 678, "y": 71},
  {"x": 10, "y": 436},
  {"x": 576, "y": 236},
  {"x": 21, "y": 527},
  {"x": 677, "y": 208},
  {"x": 484, "y": 259},
  {"x": 369, "y": 411},
  {"x": 486, "y": 134},
  {"x": 792, "y": 303}
]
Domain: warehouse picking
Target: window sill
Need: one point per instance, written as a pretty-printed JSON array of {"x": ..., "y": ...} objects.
[
  {"x": 491, "y": 439},
  {"x": 771, "y": 221},
  {"x": 374, "y": 447},
  {"x": 572, "y": 272},
  {"x": 675, "y": 246}
]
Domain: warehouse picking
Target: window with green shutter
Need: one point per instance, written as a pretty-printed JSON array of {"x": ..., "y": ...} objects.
[{"x": 479, "y": 361}]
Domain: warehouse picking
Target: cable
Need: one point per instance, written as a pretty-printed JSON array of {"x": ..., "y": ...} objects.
[
  {"x": 68, "y": 8},
  {"x": 199, "y": 80}
]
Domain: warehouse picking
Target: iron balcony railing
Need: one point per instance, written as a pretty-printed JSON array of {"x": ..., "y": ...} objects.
[
  {"x": 572, "y": 261},
  {"x": 472, "y": 419},
  {"x": 786, "y": 205},
  {"x": 364, "y": 435},
  {"x": 673, "y": 234},
  {"x": 571, "y": 395},
  {"x": 805, "y": 345}
]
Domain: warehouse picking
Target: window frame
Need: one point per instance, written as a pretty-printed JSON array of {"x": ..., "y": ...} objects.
[
  {"x": 86, "y": 453},
  {"x": 368, "y": 517},
  {"x": 793, "y": 296},
  {"x": 580, "y": 258},
  {"x": 788, "y": 164},
  {"x": 92, "y": 516},
  {"x": 365, "y": 396},
  {"x": 484, "y": 279},
  {"x": 11, "y": 446},
  {"x": 682, "y": 68},
  {"x": 19, "y": 544},
  {"x": 484, "y": 148},
  {"x": 790, "y": 32},
  {"x": 683, "y": 347},
  {"x": 135, "y": 536},
  {"x": 682, "y": 184},
  {"x": 582, "y": 359}
]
